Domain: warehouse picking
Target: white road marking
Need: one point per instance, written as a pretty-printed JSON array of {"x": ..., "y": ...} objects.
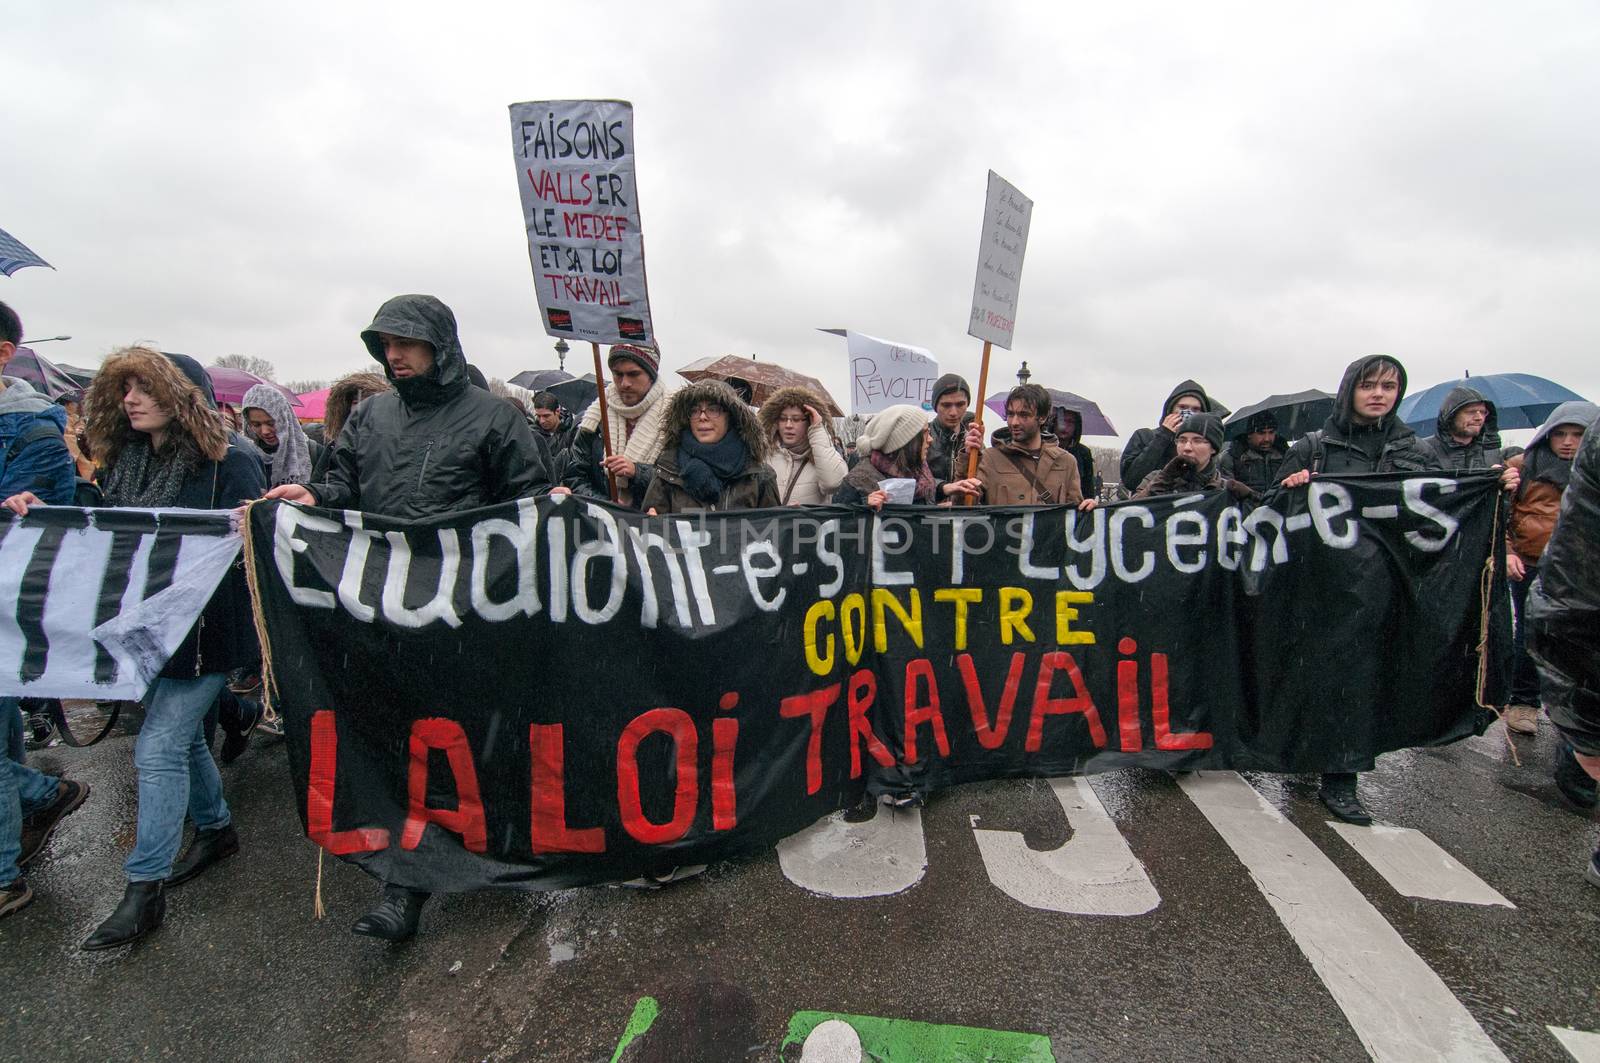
[
  {"x": 880, "y": 857},
  {"x": 1415, "y": 866},
  {"x": 832, "y": 1041},
  {"x": 1094, "y": 873},
  {"x": 1399, "y": 1008},
  {"x": 1581, "y": 1046}
]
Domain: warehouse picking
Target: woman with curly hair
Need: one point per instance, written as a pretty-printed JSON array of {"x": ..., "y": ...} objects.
[{"x": 154, "y": 424}]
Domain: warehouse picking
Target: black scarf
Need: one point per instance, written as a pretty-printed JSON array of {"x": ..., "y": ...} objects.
[
  {"x": 1542, "y": 463},
  {"x": 146, "y": 480},
  {"x": 707, "y": 467}
]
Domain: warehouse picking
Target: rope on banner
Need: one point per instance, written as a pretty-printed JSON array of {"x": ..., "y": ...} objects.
[{"x": 1485, "y": 597}]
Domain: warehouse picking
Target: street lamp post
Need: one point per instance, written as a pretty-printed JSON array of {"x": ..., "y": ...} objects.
[
  {"x": 561, "y": 353},
  {"x": 1023, "y": 376},
  {"x": 46, "y": 339}
]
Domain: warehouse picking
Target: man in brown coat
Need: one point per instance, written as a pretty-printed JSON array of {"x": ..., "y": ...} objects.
[{"x": 1024, "y": 467}]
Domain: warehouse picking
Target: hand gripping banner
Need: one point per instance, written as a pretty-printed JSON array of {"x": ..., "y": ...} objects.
[{"x": 559, "y": 692}]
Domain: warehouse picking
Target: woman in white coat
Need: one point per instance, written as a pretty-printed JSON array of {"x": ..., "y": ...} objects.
[{"x": 802, "y": 451}]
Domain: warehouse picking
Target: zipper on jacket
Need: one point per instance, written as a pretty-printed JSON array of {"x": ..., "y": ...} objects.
[{"x": 427, "y": 452}]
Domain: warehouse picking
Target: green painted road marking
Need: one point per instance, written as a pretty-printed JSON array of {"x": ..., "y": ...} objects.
[
  {"x": 644, "y": 1013},
  {"x": 904, "y": 1041}
]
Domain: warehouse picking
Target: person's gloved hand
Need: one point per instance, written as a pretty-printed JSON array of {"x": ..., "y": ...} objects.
[
  {"x": 1179, "y": 468},
  {"x": 1239, "y": 489}
]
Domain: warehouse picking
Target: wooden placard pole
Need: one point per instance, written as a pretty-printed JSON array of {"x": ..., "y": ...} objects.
[
  {"x": 983, "y": 389},
  {"x": 605, "y": 417}
]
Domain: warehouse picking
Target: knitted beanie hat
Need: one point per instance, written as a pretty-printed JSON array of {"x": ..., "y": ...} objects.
[
  {"x": 891, "y": 429},
  {"x": 648, "y": 358}
]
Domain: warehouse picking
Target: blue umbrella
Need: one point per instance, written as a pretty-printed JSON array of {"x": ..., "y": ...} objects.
[
  {"x": 14, "y": 255},
  {"x": 1521, "y": 400}
]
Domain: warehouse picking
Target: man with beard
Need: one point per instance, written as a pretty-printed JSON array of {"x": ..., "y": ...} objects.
[
  {"x": 1254, "y": 458},
  {"x": 435, "y": 444},
  {"x": 635, "y": 411},
  {"x": 1024, "y": 467},
  {"x": 1468, "y": 432}
]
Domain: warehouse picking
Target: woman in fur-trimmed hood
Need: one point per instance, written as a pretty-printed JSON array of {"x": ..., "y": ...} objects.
[
  {"x": 802, "y": 450},
  {"x": 712, "y": 454},
  {"x": 153, "y": 420}
]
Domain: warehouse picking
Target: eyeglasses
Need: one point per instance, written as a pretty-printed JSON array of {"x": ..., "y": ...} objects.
[
  {"x": 793, "y": 420},
  {"x": 707, "y": 409}
]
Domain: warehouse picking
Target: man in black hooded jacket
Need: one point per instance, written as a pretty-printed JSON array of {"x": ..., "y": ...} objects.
[
  {"x": 1467, "y": 436},
  {"x": 435, "y": 444},
  {"x": 1149, "y": 449}
]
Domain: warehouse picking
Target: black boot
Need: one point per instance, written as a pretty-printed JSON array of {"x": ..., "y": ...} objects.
[
  {"x": 208, "y": 847},
  {"x": 396, "y": 916},
  {"x": 1575, "y": 784},
  {"x": 143, "y": 905},
  {"x": 1339, "y": 794}
]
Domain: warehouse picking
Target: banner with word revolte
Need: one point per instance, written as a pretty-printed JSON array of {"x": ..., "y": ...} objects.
[{"x": 560, "y": 692}]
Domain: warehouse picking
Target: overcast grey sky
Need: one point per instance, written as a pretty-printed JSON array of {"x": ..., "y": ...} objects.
[{"x": 1249, "y": 194}]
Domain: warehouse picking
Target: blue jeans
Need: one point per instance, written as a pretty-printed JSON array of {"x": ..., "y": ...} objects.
[
  {"x": 1524, "y": 674},
  {"x": 14, "y": 730},
  {"x": 21, "y": 790},
  {"x": 176, "y": 774}
]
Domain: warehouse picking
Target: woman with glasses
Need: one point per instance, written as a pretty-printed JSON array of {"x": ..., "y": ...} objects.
[
  {"x": 712, "y": 457},
  {"x": 801, "y": 449}
]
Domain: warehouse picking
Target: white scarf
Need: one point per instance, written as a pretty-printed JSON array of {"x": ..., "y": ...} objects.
[{"x": 644, "y": 445}]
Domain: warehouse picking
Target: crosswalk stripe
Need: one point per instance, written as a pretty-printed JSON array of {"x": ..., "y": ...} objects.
[
  {"x": 1416, "y": 866},
  {"x": 1581, "y": 1046},
  {"x": 1093, "y": 873},
  {"x": 1399, "y": 1008}
]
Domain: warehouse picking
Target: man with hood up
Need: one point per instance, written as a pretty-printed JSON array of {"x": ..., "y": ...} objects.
[
  {"x": 1067, "y": 426},
  {"x": 1363, "y": 434},
  {"x": 1195, "y": 467},
  {"x": 1150, "y": 448},
  {"x": 947, "y": 454},
  {"x": 1564, "y": 616},
  {"x": 1546, "y": 468},
  {"x": 1255, "y": 457},
  {"x": 1468, "y": 432},
  {"x": 435, "y": 444}
]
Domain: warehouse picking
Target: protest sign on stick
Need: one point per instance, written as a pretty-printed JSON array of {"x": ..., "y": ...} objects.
[
  {"x": 1007, "y": 213},
  {"x": 884, "y": 374},
  {"x": 580, "y": 203}
]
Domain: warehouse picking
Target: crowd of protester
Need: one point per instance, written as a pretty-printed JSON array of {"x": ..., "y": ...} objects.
[{"x": 424, "y": 436}]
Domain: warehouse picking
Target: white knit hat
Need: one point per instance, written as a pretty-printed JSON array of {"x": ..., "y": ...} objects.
[{"x": 892, "y": 429}]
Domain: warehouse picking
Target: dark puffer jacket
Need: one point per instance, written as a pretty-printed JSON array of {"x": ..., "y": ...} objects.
[
  {"x": 1480, "y": 452},
  {"x": 753, "y": 487},
  {"x": 1343, "y": 446},
  {"x": 435, "y": 444},
  {"x": 947, "y": 454},
  {"x": 1149, "y": 449},
  {"x": 1251, "y": 467}
]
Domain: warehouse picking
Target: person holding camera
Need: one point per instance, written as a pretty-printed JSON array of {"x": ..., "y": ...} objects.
[{"x": 1149, "y": 449}]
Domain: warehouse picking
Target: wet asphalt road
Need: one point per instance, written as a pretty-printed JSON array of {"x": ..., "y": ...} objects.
[{"x": 242, "y": 970}]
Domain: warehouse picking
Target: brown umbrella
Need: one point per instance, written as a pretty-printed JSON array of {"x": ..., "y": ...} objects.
[{"x": 764, "y": 377}]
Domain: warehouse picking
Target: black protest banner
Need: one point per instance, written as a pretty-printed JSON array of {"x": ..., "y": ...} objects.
[{"x": 558, "y": 692}]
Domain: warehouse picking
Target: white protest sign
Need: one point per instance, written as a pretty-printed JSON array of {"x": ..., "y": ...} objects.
[
  {"x": 1006, "y": 215},
  {"x": 580, "y": 203},
  {"x": 884, "y": 374}
]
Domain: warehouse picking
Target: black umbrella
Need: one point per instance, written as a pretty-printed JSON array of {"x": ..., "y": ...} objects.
[
  {"x": 1296, "y": 414},
  {"x": 41, "y": 373},
  {"x": 575, "y": 393}
]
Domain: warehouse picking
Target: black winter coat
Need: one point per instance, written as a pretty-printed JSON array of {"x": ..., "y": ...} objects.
[
  {"x": 1258, "y": 471},
  {"x": 1482, "y": 452},
  {"x": 583, "y": 474},
  {"x": 1342, "y": 446},
  {"x": 435, "y": 444}
]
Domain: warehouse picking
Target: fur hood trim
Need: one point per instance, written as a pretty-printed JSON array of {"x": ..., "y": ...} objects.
[
  {"x": 346, "y": 393},
  {"x": 192, "y": 415},
  {"x": 741, "y": 418},
  {"x": 781, "y": 400}
]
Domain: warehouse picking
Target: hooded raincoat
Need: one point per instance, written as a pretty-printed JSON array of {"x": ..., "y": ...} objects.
[
  {"x": 1480, "y": 452},
  {"x": 809, "y": 478},
  {"x": 435, "y": 444},
  {"x": 1564, "y": 606},
  {"x": 1537, "y": 502},
  {"x": 1343, "y": 446},
  {"x": 1149, "y": 449}
]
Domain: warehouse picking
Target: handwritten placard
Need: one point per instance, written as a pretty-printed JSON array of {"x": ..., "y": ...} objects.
[
  {"x": 1006, "y": 215},
  {"x": 580, "y": 204},
  {"x": 884, "y": 374}
]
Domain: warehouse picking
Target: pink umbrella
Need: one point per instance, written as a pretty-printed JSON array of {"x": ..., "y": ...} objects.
[
  {"x": 231, "y": 384},
  {"x": 313, "y": 405}
]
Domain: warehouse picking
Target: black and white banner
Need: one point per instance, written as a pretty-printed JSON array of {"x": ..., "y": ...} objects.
[{"x": 94, "y": 601}]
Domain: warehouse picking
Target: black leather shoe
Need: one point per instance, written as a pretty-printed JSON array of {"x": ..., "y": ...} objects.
[
  {"x": 1345, "y": 805},
  {"x": 396, "y": 916},
  {"x": 143, "y": 905},
  {"x": 208, "y": 847}
]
